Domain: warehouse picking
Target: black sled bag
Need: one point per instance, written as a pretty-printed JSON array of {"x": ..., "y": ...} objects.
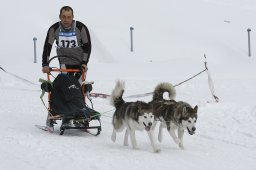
[{"x": 67, "y": 96}]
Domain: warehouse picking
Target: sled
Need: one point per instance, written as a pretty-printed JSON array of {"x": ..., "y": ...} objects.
[{"x": 74, "y": 107}]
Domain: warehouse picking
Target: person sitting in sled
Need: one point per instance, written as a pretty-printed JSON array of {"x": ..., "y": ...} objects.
[{"x": 73, "y": 40}]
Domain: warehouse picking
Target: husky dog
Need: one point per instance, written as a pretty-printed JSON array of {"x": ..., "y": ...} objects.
[
  {"x": 172, "y": 114},
  {"x": 132, "y": 116}
]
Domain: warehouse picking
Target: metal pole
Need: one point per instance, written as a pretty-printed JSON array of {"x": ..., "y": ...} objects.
[
  {"x": 131, "y": 29},
  {"x": 249, "y": 41},
  {"x": 35, "y": 49}
]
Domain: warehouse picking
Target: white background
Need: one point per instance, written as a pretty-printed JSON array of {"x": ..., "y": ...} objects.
[{"x": 170, "y": 40}]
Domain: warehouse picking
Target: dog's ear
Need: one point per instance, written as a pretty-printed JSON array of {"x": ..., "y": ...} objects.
[
  {"x": 177, "y": 115},
  {"x": 139, "y": 108},
  {"x": 134, "y": 113},
  {"x": 195, "y": 109},
  {"x": 190, "y": 109},
  {"x": 184, "y": 110}
]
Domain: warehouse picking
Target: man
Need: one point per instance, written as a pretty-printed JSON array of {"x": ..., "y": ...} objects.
[{"x": 73, "y": 41}]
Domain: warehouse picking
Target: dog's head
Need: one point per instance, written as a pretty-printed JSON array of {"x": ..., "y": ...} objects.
[
  {"x": 189, "y": 118},
  {"x": 146, "y": 120},
  {"x": 145, "y": 116}
]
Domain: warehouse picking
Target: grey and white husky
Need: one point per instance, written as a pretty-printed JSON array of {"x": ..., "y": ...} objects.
[
  {"x": 173, "y": 115},
  {"x": 132, "y": 116}
]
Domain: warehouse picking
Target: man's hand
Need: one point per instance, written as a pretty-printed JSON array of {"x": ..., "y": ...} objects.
[
  {"x": 84, "y": 67},
  {"x": 45, "y": 69}
]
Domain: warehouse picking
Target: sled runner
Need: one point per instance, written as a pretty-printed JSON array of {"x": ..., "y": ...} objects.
[{"x": 67, "y": 101}]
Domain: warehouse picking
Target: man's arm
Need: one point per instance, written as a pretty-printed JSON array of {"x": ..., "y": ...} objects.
[
  {"x": 86, "y": 42},
  {"x": 48, "y": 44}
]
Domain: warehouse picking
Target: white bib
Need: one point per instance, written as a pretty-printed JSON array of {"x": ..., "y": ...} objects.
[{"x": 68, "y": 39}]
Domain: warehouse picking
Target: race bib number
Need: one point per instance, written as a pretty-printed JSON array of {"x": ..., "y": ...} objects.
[{"x": 67, "y": 40}]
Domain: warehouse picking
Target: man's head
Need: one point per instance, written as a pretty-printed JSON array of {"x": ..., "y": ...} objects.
[{"x": 66, "y": 16}]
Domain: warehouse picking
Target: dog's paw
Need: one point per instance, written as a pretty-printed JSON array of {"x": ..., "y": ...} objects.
[
  {"x": 135, "y": 148},
  {"x": 157, "y": 150},
  {"x": 181, "y": 146},
  {"x": 126, "y": 143},
  {"x": 177, "y": 141},
  {"x": 113, "y": 137}
]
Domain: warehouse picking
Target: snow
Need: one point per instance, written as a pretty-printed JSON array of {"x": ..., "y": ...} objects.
[{"x": 170, "y": 40}]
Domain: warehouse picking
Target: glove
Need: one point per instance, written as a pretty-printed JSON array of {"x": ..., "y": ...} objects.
[
  {"x": 46, "y": 69},
  {"x": 84, "y": 67}
]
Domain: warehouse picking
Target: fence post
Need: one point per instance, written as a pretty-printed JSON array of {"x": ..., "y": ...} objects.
[
  {"x": 131, "y": 29},
  {"x": 249, "y": 41},
  {"x": 35, "y": 61}
]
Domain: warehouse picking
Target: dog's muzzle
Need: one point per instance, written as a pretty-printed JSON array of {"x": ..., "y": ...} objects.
[
  {"x": 148, "y": 127},
  {"x": 193, "y": 131}
]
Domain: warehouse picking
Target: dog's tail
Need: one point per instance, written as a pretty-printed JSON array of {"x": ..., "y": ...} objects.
[
  {"x": 117, "y": 94},
  {"x": 161, "y": 89}
]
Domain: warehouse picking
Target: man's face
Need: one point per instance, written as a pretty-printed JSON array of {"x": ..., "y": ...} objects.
[{"x": 66, "y": 18}]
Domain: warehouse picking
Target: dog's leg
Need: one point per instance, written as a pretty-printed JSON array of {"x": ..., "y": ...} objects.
[
  {"x": 180, "y": 136},
  {"x": 116, "y": 129},
  {"x": 133, "y": 139},
  {"x": 160, "y": 133},
  {"x": 151, "y": 136},
  {"x": 113, "y": 136},
  {"x": 126, "y": 143},
  {"x": 154, "y": 125},
  {"x": 173, "y": 135}
]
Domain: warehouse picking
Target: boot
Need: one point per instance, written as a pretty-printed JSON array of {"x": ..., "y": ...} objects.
[
  {"x": 66, "y": 123},
  {"x": 50, "y": 124}
]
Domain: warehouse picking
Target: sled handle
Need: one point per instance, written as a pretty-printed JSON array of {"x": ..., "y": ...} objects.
[{"x": 64, "y": 70}]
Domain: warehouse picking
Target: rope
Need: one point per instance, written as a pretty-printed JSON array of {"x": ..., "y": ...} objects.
[
  {"x": 102, "y": 95},
  {"x": 150, "y": 93},
  {"x": 190, "y": 78},
  {"x": 210, "y": 83},
  {"x": 18, "y": 77},
  {"x": 2, "y": 69},
  {"x": 96, "y": 115},
  {"x": 103, "y": 114}
]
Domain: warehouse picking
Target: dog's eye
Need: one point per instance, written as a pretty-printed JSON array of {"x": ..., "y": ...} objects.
[
  {"x": 195, "y": 121},
  {"x": 151, "y": 116},
  {"x": 189, "y": 121},
  {"x": 145, "y": 117}
]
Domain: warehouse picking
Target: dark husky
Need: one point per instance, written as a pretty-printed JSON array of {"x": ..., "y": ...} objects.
[
  {"x": 173, "y": 115},
  {"x": 132, "y": 116}
]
